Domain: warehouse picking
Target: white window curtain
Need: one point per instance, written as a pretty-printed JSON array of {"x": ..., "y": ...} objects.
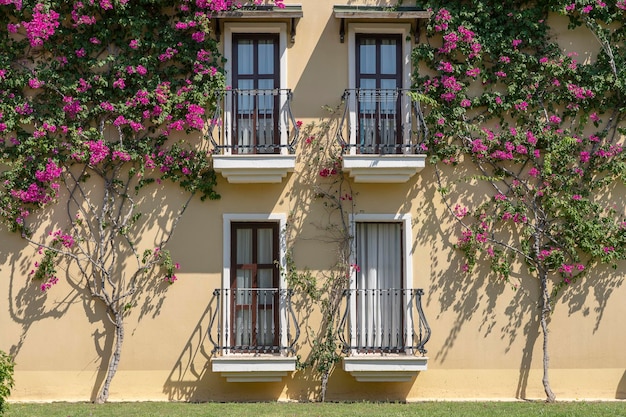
[
  {"x": 380, "y": 298},
  {"x": 243, "y": 295}
]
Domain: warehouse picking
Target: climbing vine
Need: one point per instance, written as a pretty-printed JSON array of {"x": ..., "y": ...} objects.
[
  {"x": 324, "y": 291},
  {"x": 543, "y": 130},
  {"x": 101, "y": 101}
]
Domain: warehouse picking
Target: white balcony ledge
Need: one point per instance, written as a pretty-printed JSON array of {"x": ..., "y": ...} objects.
[
  {"x": 254, "y": 168},
  {"x": 262, "y": 368},
  {"x": 378, "y": 368},
  {"x": 383, "y": 168}
]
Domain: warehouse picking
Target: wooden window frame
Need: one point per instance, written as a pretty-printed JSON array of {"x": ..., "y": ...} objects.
[
  {"x": 255, "y": 266},
  {"x": 255, "y": 77}
]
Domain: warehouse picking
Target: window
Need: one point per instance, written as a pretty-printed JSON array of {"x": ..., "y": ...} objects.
[
  {"x": 383, "y": 326},
  {"x": 379, "y": 78},
  {"x": 255, "y": 78},
  {"x": 255, "y": 134},
  {"x": 382, "y": 130},
  {"x": 380, "y": 298},
  {"x": 378, "y": 81},
  {"x": 254, "y": 286},
  {"x": 253, "y": 327}
]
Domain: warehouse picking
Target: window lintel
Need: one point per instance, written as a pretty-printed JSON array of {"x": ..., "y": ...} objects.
[
  {"x": 290, "y": 13},
  {"x": 381, "y": 13}
]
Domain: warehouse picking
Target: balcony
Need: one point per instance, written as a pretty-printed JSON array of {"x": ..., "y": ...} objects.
[
  {"x": 253, "y": 332},
  {"x": 382, "y": 133},
  {"x": 253, "y": 135},
  {"x": 379, "y": 335}
]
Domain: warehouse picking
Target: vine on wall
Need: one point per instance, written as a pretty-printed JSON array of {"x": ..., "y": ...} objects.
[
  {"x": 324, "y": 291},
  {"x": 543, "y": 129}
]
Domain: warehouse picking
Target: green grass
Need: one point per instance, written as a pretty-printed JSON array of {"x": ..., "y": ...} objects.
[{"x": 430, "y": 409}]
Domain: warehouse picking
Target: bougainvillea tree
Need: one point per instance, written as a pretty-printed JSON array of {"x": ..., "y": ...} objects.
[
  {"x": 543, "y": 130},
  {"x": 95, "y": 99}
]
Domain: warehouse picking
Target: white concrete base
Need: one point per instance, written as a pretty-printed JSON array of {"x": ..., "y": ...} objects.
[
  {"x": 383, "y": 168},
  {"x": 253, "y": 368},
  {"x": 254, "y": 168},
  {"x": 376, "y": 368}
]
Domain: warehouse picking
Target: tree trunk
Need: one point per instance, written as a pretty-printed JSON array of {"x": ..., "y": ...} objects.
[
  {"x": 324, "y": 385},
  {"x": 545, "y": 312},
  {"x": 115, "y": 359}
]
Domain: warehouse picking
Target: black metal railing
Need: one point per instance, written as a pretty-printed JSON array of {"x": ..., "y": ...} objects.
[
  {"x": 382, "y": 121},
  {"x": 254, "y": 122},
  {"x": 384, "y": 320},
  {"x": 253, "y": 320}
]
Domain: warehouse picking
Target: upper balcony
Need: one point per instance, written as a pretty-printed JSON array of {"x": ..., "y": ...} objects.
[
  {"x": 383, "y": 135},
  {"x": 254, "y": 135}
]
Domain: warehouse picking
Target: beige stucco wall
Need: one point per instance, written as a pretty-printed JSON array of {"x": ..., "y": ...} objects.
[{"x": 485, "y": 342}]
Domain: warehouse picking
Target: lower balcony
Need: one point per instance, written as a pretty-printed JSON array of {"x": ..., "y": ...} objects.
[
  {"x": 253, "y": 332},
  {"x": 384, "y": 333},
  {"x": 244, "y": 368}
]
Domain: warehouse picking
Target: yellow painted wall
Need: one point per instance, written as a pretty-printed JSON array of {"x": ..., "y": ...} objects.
[{"x": 486, "y": 341}]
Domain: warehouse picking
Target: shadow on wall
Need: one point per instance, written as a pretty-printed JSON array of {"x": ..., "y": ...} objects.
[
  {"x": 29, "y": 306},
  {"x": 620, "y": 394},
  {"x": 188, "y": 379},
  {"x": 191, "y": 378},
  {"x": 457, "y": 298}
]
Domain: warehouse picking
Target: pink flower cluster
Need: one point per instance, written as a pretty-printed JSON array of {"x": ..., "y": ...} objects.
[
  {"x": 580, "y": 93},
  {"x": 460, "y": 211},
  {"x": 33, "y": 194},
  {"x": 43, "y": 25},
  {"x": 50, "y": 173},
  {"x": 516, "y": 217},
  {"x": 546, "y": 253},
  {"x": 64, "y": 239},
  {"x": 222, "y": 5},
  {"x": 72, "y": 106},
  {"x": 194, "y": 116},
  {"x": 570, "y": 268},
  {"x": 52, "y": 280},
  {"x": 327, "y": 172},
  {"x": 98, "y": 152}
]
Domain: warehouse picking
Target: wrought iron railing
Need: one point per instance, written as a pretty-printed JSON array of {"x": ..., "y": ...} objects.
[
  {"x": 382, "y": 121},
  {"x": 253, "y": 320},
  {"x": 254, "y": 122},
  {"x": 384, "y": 320}
]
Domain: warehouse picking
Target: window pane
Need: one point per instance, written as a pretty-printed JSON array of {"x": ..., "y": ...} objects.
[
  {"x": 266, "y": 278},
  {"x": 244, "y": 246},
  {"x": 388, "y": 96},
  {"x": 266, "y": 96},
  {"x": 367, "y": 99},
  {"x": 245, "y": 101},
  {"x": 243, "y": 327},
  {"x": 367, "y": 52},
  {"x": 244, "y": 283},
  {"x": 266, "y": 57},
  {"x": 265, "y": 249},
  {"x": 245, "y": 56},
  {"x": 388, "y": 57}
]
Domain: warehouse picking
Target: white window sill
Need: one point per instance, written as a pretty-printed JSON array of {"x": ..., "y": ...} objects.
[
  {"x": 254, "y": 168},
  {"x": 257, "y": 368},
  {"x": 383, "y": 168},
  {"x": 379, "y": 368}
]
